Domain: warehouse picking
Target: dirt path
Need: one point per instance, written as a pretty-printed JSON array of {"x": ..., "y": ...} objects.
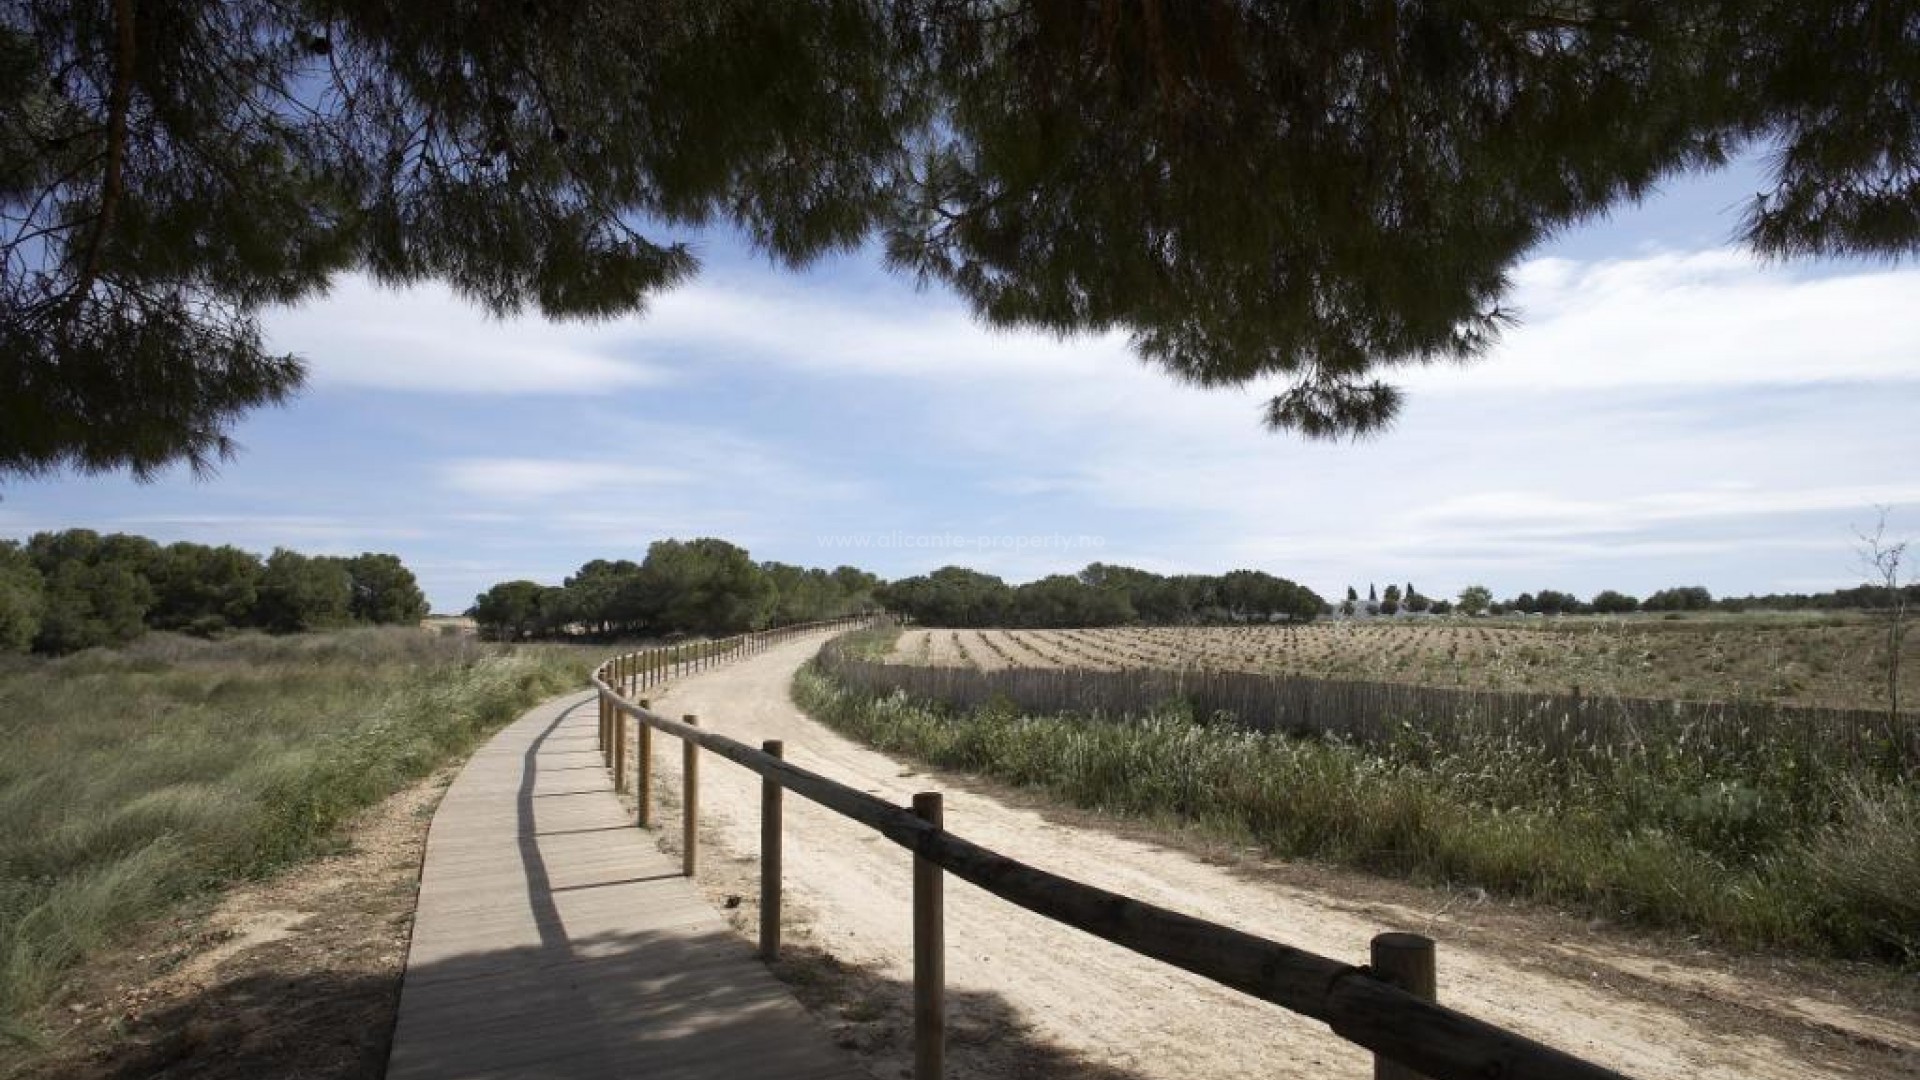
[{"x": 1109, "y": 1013}]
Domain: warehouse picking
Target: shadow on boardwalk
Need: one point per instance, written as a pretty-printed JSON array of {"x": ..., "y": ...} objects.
[{"x": 222, "y": 1034}]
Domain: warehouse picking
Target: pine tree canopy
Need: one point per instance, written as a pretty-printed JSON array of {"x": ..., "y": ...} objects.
[{"x": 1320, "y": 191}]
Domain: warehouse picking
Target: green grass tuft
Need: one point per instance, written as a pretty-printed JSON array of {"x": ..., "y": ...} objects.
[
  {"x": 1768, "y": 853},
  {"x": 135, "y": 779}
]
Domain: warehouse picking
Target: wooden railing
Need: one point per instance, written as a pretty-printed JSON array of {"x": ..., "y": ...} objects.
[{"x": 1386, "y": 1006}]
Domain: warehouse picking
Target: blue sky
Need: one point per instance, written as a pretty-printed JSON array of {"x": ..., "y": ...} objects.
[{"x": 1669, "y": 412}]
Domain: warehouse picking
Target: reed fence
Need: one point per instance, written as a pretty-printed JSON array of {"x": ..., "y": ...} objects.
[{"x": 1560, "y": 725}]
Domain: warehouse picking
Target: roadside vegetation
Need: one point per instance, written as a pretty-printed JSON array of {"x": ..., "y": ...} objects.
[
  {"x": 139, "y": 778},
  {"x": 1771, "y": 847}
]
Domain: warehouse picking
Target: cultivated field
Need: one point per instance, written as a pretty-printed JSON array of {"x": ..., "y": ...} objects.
[{"x": 1837, "y": 662}]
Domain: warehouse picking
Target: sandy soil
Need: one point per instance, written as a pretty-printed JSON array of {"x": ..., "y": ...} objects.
[
  {"x": 1030, "y": 997},
  {"x": 295, "y": 976}
]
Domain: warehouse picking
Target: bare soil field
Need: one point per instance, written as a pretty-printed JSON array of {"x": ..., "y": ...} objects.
[
  {"x": 1030, "y": 997},
  {"x": 1833, "y": 662}
]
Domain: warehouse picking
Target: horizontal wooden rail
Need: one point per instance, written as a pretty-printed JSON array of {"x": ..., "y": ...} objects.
[{"x": 1424, "y": 1036}]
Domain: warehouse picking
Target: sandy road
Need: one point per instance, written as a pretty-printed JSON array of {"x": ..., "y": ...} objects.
[{"x": 1113, "y": 1014}]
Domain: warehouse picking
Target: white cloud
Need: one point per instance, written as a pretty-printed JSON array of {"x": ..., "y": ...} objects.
[
  {"x": 931, "y": 337},
  {"x": 1700, "y": 319},
  {"x": 535, "y": 478},
  {"x": 427, "y": 339},
  {"x": 1544, "y": 513},
  {"x": 680, "y": 480},
  {"x": 1714, "y": 318}
]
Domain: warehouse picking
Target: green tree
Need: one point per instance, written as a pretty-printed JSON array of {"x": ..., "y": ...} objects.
[
  {"x": 204, "y": 589},
  {"x": 91, "y": 605},
  {"x": 303, "y": 592},
  {"x": 384, "y": 590},
  {"x": 1611, "y": 602},
  {"x": 1681, "y": 598},
  {"x": 1554, "y": 602},
  {"x": 856, "y": 587},
  {"x": 1067, "y": 600},
  {"x": 604, "y": 596},
  {"x": 168, "y": 170},
  {"x": 1390, "y": 601},
  {"x": 512, "y": 610},
  {"x": 802, "y": 594},
  {"x": 704, "y": 586},
  {"x": 1475, "y": 600},
  {"x": 96, "y": 593},
  {"x": 951, "y": 596},
  {"x": 799, "y": 594},
  {"x": 23, "y": 599}
]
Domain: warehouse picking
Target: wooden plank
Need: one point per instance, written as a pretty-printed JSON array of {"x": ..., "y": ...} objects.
[{"x": 552, "y": 939}]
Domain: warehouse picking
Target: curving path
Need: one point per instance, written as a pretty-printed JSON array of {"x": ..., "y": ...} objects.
[
  {"x": 553, "y": 939},
  {"x": 1106, "y": 1012}
]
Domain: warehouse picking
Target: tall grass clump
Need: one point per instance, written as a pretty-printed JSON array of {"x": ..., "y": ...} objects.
[
  {"x": 1765, "y": 848},
  {"x": 135, "y": 779}
]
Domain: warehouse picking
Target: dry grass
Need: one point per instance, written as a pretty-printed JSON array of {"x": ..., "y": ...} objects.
[
  {"x": 138, "y": 778},
  {"x": 1764, "y": 844}
]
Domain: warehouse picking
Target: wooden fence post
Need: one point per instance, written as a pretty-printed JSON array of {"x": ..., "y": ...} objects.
[
  {"x": 643, "y": 769},
  {"x": 606, "y": 751},
  {"x": 1406, "y": 961},
  {"x": 770, "y": 863},
  {"x": 689, "y": 800},
  {"x": 929, "y": 954},
  {"x": 619, "y": 748}
]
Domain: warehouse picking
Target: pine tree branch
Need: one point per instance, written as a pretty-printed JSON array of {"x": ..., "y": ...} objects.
[{"x": 113, "y": 185}]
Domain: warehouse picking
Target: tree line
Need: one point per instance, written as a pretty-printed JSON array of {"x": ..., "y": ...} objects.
[
  {"x": 703, "y": 586},
  {"x": 1100, "y": 595},
  {"x": 76, "y": 589},
  {"x": 1478, "y": 600},
  {"x": 710, "y": 586}
]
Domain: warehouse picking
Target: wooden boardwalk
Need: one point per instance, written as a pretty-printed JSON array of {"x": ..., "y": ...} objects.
[{"x": 553, "y": 939}]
